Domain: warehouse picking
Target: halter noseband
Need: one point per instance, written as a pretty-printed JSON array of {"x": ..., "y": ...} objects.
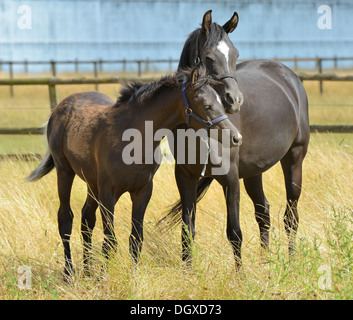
[
  {"x": 208, "y": 124},
  {"x": 189, "y": 113},
  {"x": 197, "y": 62}
]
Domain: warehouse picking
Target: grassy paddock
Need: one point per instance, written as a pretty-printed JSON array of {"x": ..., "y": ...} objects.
[{"x": 321, "y": 269}]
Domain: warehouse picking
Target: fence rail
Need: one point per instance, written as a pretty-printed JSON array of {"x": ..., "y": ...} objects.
[
  {"x": 53, "y": 82},
  {"x": 97, "y": 65}
]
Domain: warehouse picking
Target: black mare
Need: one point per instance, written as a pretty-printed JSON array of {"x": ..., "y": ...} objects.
[{"x": 273, "y": 122}]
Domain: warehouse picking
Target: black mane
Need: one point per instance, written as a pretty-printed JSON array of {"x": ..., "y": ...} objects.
[
  {"x": 127, "y": 91},
  {"x": 215, "y": 34},
  {"x": 139, "y": 93}
]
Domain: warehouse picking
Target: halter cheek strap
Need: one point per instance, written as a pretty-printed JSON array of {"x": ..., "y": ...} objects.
[
  {"x": 224, "y": 76},
  {"x": 197, "y": 62},
  {"x": 189, "y": 113},
  {"x": 208, "y": 124}
]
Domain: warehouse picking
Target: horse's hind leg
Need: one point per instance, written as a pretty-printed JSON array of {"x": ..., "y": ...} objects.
[
  {"x": 65, "y": 215},
  {"x": 88, "y": 222},
  {"x": 140, "y": 201},
  {"x": 292, "y": 169},
  {"x": 254, "y": 188}
]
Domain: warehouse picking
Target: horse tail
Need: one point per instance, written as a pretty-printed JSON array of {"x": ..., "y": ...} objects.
[
  {"x": 44, "y": 168},
  {"x": 174, "y": 214}
]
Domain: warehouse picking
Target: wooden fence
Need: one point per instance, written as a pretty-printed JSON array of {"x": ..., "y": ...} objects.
[
  {"x": 97, "y": 65},
  {"x": 53, "y": 82}
]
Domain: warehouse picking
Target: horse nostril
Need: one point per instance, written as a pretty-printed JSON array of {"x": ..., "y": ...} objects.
[
  {"x": 237, "y": 139},
  {"x": 229, "y": 99}
]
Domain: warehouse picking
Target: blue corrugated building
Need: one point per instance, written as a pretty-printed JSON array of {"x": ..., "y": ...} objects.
[{"x": 114, "y": 29}]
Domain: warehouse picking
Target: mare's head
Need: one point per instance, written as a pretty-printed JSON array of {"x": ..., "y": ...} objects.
[
  {"x": 211, "y": 47},
  {"x": 203, "y": 106}
]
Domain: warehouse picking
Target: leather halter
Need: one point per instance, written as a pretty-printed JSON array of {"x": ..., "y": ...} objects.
[
  {"x": 189, "y": 113},
  {"x": 188, "y": 110},
  {"x": 197, "y": 62},
  {"x": 208, "y": 124}
]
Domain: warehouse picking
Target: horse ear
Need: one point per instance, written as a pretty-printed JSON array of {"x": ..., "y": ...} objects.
[
  {"x": 206, "y": 21},
  {"x": 231, "y": 24},
  {"x": 194, "y": 76}
]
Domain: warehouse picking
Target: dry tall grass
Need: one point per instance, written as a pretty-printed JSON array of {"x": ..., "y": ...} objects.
[
  {"x": 29, "y": 236},
  {"x": 321, "y": 269}
]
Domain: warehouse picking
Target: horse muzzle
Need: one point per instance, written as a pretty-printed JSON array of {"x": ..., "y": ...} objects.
[{"x": 232, "y": 103}]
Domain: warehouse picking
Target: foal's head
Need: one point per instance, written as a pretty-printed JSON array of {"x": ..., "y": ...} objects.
[
  {"x": 211, "y": 46},
  {"x": 204, "y": 108}
]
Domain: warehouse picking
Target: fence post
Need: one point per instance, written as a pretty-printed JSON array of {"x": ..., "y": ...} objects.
[
  {"x": 295, "y": 63},
  {"x": 11, "y": 77},
  {"x": 170, "y": 64},
  {"x": 95, "y": 72},
  {"x": 124, "y": 66},
  {"x": 139, "y": 68},
  {"x": 53, "y": 68},
  {"x": 147, "y": 66},
  {"x": 26, "y": 66},
  {"x": 52, "y": 96},
  {"x": 319, "y": 67},
  {"x": 76, "y": 65}
]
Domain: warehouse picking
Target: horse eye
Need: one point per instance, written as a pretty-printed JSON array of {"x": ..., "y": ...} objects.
[
  {"x": 207, "y": 107},
  {"x": 209, "y": 60}
]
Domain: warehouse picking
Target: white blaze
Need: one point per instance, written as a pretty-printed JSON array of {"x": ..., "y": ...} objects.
[
  {"x": 218, "y": 98},
  {"x": 223, "y": 48}
]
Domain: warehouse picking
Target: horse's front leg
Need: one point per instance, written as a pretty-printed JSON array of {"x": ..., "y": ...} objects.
[
  {"x": 187, "y": 186},
  {"x": 88, "y": 222},
  {"x": 230, "y": 184},
  {"x": 107, "y": 200},
  {"x": 140, "y": 200}
]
